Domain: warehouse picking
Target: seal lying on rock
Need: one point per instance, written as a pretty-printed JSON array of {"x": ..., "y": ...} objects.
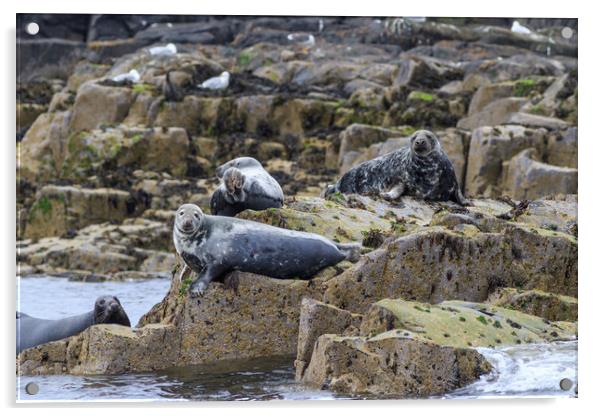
[
  {"x": 245, "y": 185},
  {"x": 33, "y": 331},
  {"x": 212, "y": 246},
  {"x": 421, "y": 169}
]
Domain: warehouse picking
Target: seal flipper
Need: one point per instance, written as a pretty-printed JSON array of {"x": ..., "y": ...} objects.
[
  {"x": 458, "y": 198},
  {"x": 394, "y": 193},
  {"x": 351, "y": 251},
  {"x": 202, "y": 281}
]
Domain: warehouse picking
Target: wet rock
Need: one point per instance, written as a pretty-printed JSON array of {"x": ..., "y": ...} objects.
[
  {"x": 436, "y": 264},
  {"x": 247, "y": 316},
  {"x": 103, "y": 349},
  {"x": 535, "y": 302},
  {"x": 489, "y": 148},
  {"x": 316, "y": 319},
  {"x": 527, "y": 178},
  {"x": 462, "y": 324},
  {"x": 391, "y": 365}
]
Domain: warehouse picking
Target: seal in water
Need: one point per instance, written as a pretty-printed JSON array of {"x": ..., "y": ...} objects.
[
  {"x": 245, "y": 185},
  {"x": 212, "y": 246},
  {"x": 33, "y": 331},
  {"x": 421, "y": 169}
]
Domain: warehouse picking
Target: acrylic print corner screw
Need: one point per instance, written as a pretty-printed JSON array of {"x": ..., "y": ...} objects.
[{"x": 301, "y": 207}]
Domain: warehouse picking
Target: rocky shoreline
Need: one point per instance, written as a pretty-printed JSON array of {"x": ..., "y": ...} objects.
[{"x": 102, "y": 166}]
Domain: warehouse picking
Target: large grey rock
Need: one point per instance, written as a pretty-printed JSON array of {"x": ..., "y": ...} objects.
[
  {"x": 527, "y": 178},
  {"x": 562, "y": 148},
  {"x": 58, "y": 209},
  {"x": 533, "y": 120},
  {"x": 496, "y": 112},
  {"x": 96, "y": 104},
  {"x": 489, "y": 148},
  {"x": 316, "y": 319},
  {"x": 436, "y": 264}
]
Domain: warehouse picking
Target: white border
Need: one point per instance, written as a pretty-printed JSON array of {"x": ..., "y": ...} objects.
[{"x": 590, "y": 95}]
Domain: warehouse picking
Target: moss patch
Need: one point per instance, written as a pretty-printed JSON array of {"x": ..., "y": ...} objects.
[
  {"x": 523, "y": 87},
  {"x": 244, "y": 58},
  {"x": 421, "y": 96},
  {"x": 457, "y": 323},
  {"x": 143, "y": 88}
]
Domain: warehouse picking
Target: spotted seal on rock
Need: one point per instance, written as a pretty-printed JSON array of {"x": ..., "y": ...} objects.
[
  {"x": 214, "y": 245},
  {"x": 245, "y": 185},
  {"x": 422, "y": 170},
  {"x": 34, "y": 331}
]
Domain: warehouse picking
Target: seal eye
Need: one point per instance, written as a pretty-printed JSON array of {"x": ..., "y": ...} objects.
[
  {"x": 102, "y": 302},
  {"x": 196, "y": 216},
  {"x": 181, "y": 213}
]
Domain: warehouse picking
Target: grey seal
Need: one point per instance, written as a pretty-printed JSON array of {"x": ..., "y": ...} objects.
[
  {"x": 213, "y": 245},
  {"x": 245, "y": 185},
  {"x": 34, "y": 331},
  {"x": 422, "y": 170}
]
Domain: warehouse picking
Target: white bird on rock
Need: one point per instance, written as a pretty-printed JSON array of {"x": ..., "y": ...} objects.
[
  {"x": 169, "y": 49},
  {"x": 133, "y": 76},
  {"x": 217, "y": 83},
  {"x": 518, "y": 28}
]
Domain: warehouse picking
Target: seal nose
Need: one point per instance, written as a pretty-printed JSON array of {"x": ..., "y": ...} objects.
[
  {"x": 420, "y": 143},
  {"x": 187, "y": 226}
]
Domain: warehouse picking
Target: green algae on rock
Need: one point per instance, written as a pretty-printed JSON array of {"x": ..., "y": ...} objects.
[
  {"x": 536, "y": 302},
  {"x": 483, "y": 325}
]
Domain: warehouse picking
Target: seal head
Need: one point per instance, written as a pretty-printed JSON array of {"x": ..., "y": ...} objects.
[
  {"x": 108, "y": 310},
  {"x": 234, "y": 181},
  {"x": 189, "y": 219},
  {"x": 188, "y": 234},
  {"x": 423, "y": 143}
]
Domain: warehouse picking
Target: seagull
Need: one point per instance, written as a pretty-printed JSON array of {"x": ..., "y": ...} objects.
[
  {"x": 518, "y": 28},
  {"x": 302, "y": 39},
  {"x": 133, "y": 76},
  {"x": 169, "y": 49},
  {"x": 217, "y": 83}
]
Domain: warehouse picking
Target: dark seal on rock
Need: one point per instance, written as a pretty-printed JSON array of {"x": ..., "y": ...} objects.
[
  {"x": 422, "y": 170},
  {"x": 34, "y": 331},
  {"x": 213, "y": 246},
  {"x": 245, "y": 185}
]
